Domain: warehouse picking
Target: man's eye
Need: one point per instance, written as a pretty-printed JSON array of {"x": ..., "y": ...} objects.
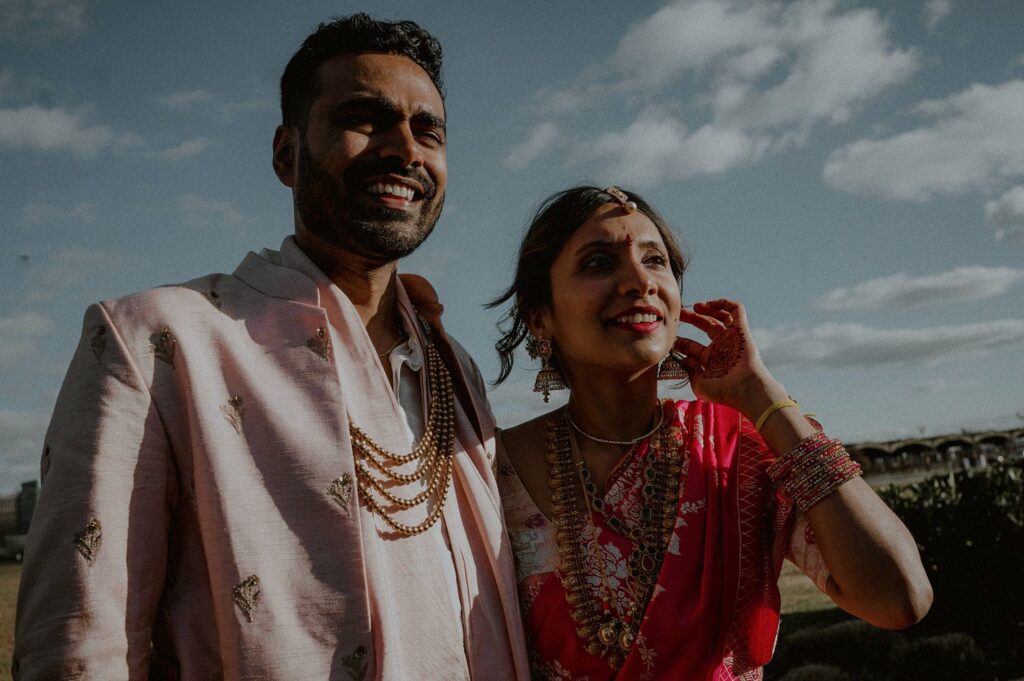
[{"x": 432, "y": 136}]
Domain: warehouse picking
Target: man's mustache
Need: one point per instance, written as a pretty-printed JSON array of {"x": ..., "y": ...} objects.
[{"x": 357, "y": 174}]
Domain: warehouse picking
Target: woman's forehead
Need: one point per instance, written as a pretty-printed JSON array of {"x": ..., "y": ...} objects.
[{"x": 612, "y": 222}]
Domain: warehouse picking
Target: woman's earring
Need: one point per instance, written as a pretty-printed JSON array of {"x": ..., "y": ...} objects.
[
  {"x": 672, "y": 369},
  {"x": 548, "y": 378}
]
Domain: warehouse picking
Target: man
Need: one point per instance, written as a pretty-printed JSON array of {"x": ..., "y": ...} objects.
[{"x": 285, "y": 473}]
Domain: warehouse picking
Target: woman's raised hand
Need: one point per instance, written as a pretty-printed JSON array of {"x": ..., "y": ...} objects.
[{"x": 729, "y": 366}]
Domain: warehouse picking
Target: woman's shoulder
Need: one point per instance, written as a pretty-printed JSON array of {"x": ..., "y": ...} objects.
[{"x": 527, "y": 438}]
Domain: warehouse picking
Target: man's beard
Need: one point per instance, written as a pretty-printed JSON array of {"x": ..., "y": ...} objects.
[{"x": 378, "y": 233}]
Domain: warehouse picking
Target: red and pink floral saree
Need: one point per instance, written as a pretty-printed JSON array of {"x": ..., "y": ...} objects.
[{"x": 714, "y": 611}]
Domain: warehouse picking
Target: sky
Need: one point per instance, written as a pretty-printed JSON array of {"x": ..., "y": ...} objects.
[{"x": 853, "y": 172}]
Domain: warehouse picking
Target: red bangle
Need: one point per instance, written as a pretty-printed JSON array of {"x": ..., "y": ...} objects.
[{"x": 812, "y": 470}]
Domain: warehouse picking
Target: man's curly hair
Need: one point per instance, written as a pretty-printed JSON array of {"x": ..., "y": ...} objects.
[{"x": 349, "y": 35}]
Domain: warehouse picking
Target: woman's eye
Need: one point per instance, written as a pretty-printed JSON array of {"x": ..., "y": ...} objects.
[
  {"x": 596, "y": 262},
  {"x": 656, "y": 260}
]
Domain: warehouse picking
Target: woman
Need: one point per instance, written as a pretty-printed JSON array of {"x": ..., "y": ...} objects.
[{"x": 649, "y": 535}]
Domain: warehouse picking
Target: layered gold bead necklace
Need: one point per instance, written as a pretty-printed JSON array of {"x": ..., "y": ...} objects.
[{"x": 433, "y": 452}]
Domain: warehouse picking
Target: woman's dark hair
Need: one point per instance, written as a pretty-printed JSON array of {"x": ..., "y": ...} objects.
[
  {"x": 348, "y": 35},
  {"x": 554, "y": 223}
]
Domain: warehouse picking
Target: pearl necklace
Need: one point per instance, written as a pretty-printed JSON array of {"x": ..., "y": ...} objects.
[{"x": 623, "y": 443}]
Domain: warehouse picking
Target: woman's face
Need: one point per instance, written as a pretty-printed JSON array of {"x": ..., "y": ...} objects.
[{"x": 614, "y": 299}]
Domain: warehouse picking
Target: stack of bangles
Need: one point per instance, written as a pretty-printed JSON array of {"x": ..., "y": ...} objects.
[{"x": 813, "y": 469}]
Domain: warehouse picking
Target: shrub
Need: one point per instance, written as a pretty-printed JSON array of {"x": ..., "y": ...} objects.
[
  {"x": 853, "y": 645},
  {"x": 965, "y": 523},
  {"x": 816, "y": 672},
  {"x": 947, "y": 656}
]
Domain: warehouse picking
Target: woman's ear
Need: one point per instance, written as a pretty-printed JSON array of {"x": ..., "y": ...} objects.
[{"x": 539, "y": 322}]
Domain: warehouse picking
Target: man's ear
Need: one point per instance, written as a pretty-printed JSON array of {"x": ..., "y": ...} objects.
[{"x": 286, "y": 154}]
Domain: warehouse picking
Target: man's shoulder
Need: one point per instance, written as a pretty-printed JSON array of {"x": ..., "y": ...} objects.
[{"x": 193, "y": 298}]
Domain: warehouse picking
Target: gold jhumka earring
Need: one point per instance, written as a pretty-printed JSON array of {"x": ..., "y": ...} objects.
[
  {"x": 672, "y": 369},
  {"x": 548, "y": 378}
]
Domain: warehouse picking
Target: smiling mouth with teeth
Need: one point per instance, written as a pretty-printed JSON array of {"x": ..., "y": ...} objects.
[
  {"x": 637, "y": 319},
  {"x": 397, "y": 190}
]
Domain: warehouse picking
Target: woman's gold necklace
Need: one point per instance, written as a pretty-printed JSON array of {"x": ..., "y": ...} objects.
[
  {"x": 607, "y": 630},
  {"x": 434, "y": 453}
]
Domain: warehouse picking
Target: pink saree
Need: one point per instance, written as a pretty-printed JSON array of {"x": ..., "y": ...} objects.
[{"x": 714, "y": 611}]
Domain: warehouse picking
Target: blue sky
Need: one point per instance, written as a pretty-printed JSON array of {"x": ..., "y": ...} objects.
[{"x": 853, "y": 172}]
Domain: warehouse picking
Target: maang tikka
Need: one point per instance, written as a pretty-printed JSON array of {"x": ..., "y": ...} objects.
[
  {"x": 548, "y": 378},
  {"x": 622, "y": 198}
]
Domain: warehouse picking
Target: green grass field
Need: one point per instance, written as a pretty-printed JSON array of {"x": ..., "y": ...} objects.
[{"x": 800, "y": 598}]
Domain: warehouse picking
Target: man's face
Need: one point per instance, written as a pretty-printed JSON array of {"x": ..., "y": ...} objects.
[{"x": 372, "y": 168}]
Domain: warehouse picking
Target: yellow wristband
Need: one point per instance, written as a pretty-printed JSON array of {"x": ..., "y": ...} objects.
[{"x": 781, "y": 404}]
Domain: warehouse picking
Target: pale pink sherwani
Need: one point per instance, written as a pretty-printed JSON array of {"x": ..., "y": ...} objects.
[{"x": 199, "y": 518}]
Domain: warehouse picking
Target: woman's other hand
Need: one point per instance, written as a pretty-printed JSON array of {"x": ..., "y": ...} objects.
[{"x": 728, "y": 368}]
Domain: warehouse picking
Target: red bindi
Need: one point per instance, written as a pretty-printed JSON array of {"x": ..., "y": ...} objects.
[{"x": 629, "y": 239}]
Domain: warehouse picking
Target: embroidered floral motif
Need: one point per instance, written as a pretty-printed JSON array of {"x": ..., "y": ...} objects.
[
  {"x": 320, "y": 344},
  {"x": 99, "y": 342},
  {"x": 163, "y": 344},
  {"x": 213, "y": 297},
  {"x": 88, "y": 540},
  {"x": 234, "y": 412},
  {"x": 341, "y": 491},
  {"x": 647, "y": 655},
  {"x": 247, "y": 595},
  {"x": 686, "y": 508},
  {"x": 44, "y": 464},
  {"x": 356, "y": 663}
]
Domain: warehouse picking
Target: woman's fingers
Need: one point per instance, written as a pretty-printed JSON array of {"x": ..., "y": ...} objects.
[
  {"x": 709, "y": 325},
  {"x": 690, "y": 348}
]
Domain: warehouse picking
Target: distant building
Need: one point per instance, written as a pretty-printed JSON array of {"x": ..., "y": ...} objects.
[
  {"x": 8, "y": 514},
  {"x": 26, "y": 504}
]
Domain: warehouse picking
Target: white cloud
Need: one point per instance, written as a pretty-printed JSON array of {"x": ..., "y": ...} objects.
[
  {"x": 542, "y": 137},
  {"x": 850, "y": 345},
  {"x": 900, "y": 291},
  {"x": 227, "y": 110},
  {"x": 35, "y": 213},
  {"x": 765, "y": 72},
  {"x": 186, "y": 149},
  {"x": 974, "y": 142},
  {"x": 184, "y": 100},
  {"x": 49, "y": 18},
  {"x": 57, "y": 129},
  {"x": 657, "y": 147},
  {"x": 1007, "y": 211},
  {"x": 198, "y": 211},
  {"x": 70, "y": 268},
  {"x": 935, "y": 11},
  {"x": 19, "y": 335}
]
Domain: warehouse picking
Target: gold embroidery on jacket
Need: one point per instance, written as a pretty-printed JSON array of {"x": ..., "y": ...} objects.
[
  {"x": 341, "y": 491},
  {"x": 247, "y": 595},
  {"x": 356, "y": 663},
  {"x": 88, "y": 540},
  {"x": 213, "y": 297},
  {"x": 234, "y": 411},
  {"x": 320, "y": 344},
  {"x": 99, "y": 342},
  {"x": 162, "y": 344}
]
